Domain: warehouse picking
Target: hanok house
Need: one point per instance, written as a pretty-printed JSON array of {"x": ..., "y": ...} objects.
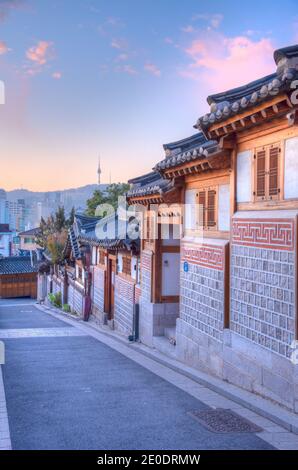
[
  {"x": 72, "y": 277},
  {"x": 76, "y": 274},
  {"x": 237, "y": 315},
  {"x": 18, "y": 277},
  {"x": 115, "y": 274},
  {"x": 159, "y": 200}
]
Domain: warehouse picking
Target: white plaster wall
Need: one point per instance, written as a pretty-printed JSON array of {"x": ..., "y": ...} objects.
[
  {"x": 170, "y": 273},
  {"x": 190, "y": 209},
  {"x": 244, "y": 177},
  {"x": 120, "y": 262},
  {"x": 224, "y": 207},
  {"x": 291, "y": 168},
  {"x": 94, "y": 253}
]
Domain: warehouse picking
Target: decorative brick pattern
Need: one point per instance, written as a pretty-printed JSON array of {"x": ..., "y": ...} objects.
[
  {"x": 124, "y": 304},
  {"x": 202, "y": 299},
  {"x": 98, "y": 287},
  {"x": 265, "y": 233},
  {"x": 262, "y": 295},
  {"x": 203, "y": 255}
]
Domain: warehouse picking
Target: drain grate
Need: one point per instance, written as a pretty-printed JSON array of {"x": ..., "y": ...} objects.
[{"x": 224, "y": 421}]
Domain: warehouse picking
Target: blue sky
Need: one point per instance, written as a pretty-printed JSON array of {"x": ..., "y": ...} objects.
[{"x": 120, "y": 78}]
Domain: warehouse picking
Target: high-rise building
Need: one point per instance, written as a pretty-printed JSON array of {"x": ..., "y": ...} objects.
[{"x": 3, "y": 208}]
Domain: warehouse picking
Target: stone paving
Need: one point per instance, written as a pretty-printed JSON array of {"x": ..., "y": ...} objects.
[
  {"x": 44, "y": 385},
  {"x": 40, "y": 332}
]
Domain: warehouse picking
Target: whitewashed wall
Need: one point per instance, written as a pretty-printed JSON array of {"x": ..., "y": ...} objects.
[
  {"x": 244, "y": 176},
  {"x": 291, "y": 168},
  {"x": 190, "y": 209},
  {"x": 224, "y": 207}
]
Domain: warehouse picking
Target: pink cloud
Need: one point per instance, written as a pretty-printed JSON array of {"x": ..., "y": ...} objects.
[
  {"x": 41, "y": 53},
  {"x": 119, "y": 44},
  {"x": 129, "y": 69},
  {"x": 223, "y": 62},
  {"x": 153, "y": 69},
  {"x": 3, "y": 48},
  {"x": 121, "y": 57},
  {"x": 214, "y": 20},
  {"x": 57, "y": 75},
  {"x": 188, "y": 29},
  {"x": 6, "y": 6}
]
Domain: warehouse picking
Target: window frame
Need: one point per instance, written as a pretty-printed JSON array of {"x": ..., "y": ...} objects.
[
  {"x": 205, "y": 225},
  {"x": 267, "y": 197}
]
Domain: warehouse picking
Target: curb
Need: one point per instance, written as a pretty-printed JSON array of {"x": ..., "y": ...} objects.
[{"x": 261, "y": 406}]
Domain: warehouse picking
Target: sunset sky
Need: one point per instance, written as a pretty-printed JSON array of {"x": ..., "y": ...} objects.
[{"x": 120, "y": 78}]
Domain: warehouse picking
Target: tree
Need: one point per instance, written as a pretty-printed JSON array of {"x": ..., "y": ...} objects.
[
  {"x": 53, "y": 234},
  {"x": 55, "y": 245},
  {"x": 71, "y": 217},
  {"x": 110, "y": 196},
  {"x": 115, "y": 191},
  {"x": 60, "y": 219},
  {"x": 92, "y": 203}
]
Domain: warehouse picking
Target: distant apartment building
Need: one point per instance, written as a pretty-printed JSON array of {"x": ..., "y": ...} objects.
[
  {"x": 5, "y": 240},
  {"x": 3, "y": 207},
  {"x": 16, "y": 211}
]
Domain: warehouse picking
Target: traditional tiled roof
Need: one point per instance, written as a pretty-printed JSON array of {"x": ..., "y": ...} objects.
[
  {"x": 232, "y": 102},
  {"x": 83, "y": 225},
  {"x": 151, "y": 183},
  {"x": 120, "y": 241},
  {"x": 17, "y": 265},
  {"x": 196, "y": 147},
  {"x": 31, "y": 232}
]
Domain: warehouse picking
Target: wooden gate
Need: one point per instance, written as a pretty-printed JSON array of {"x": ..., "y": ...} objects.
[{"x": 18, "y": 285}]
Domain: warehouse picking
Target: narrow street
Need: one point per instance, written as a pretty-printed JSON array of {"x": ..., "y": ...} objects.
[{"x": 66, "y": 390}]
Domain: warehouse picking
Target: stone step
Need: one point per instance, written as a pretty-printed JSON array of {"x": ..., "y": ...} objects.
[
  {"x": 163, "y": 345},
  {"x": 170, "y": 333}
]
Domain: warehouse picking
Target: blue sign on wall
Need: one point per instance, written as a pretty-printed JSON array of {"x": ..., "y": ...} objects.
[{"x": 185, "y": 266}]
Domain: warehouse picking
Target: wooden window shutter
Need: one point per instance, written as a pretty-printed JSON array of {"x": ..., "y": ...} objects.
[
  {"x": 211, "y": 208},
  {"x": 273, "y": 167},
  {"x": 202, "y": 203},
  {"x": 260, "y": 173}
]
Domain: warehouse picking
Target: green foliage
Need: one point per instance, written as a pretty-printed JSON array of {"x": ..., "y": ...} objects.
[
  {"x": 110, "y": 197},
  {"x": 66, "y": 308},
  {"x": 55, "y": 299}
]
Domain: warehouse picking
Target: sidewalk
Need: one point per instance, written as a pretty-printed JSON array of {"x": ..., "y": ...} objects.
[{"x": 280, "y": 426}]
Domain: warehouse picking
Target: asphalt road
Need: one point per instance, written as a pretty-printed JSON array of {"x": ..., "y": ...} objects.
[{"x": 77, "y": 393}]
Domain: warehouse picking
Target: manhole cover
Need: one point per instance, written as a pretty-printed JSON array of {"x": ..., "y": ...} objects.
[{"x": 222, "y": 420}]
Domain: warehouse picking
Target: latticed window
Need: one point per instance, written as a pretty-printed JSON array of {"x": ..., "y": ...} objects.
[
  {"x": 126, "y": 265},
  {"x": 207, "y": 200},
  {"x": 267, "y": 172}
]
